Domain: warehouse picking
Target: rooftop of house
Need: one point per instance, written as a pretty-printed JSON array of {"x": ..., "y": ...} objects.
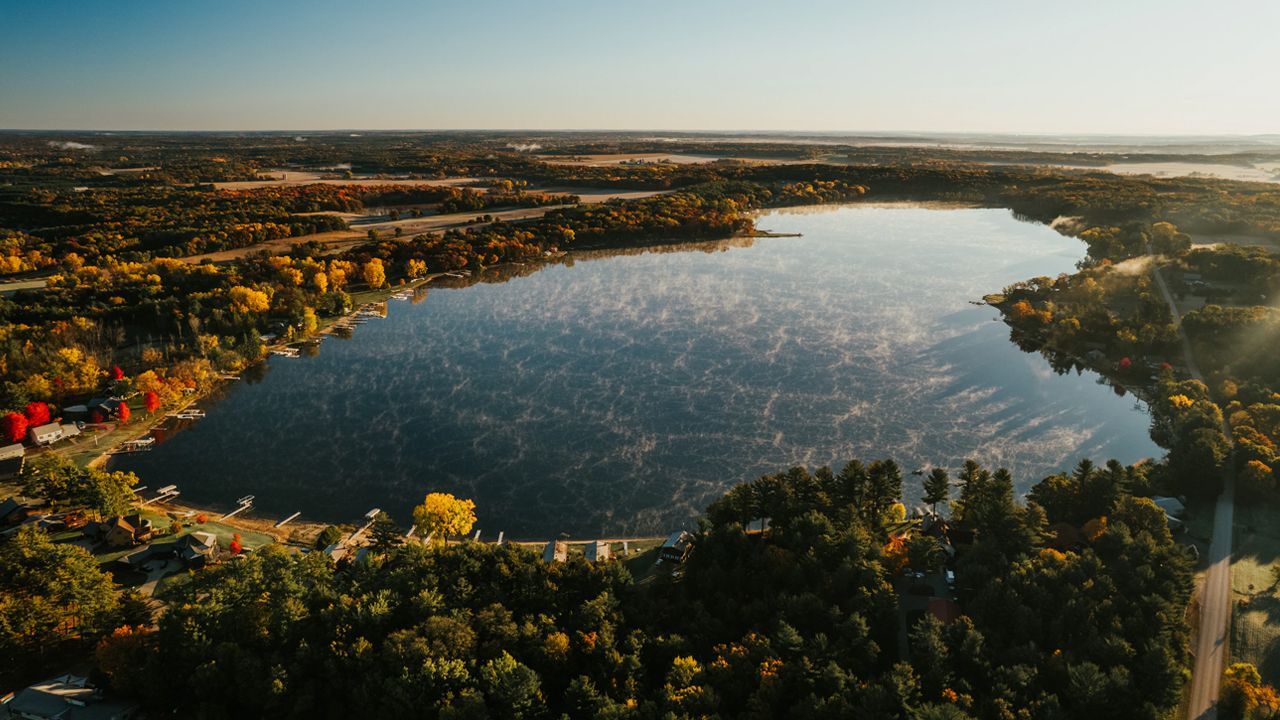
[
  {"x": 46, "y": 429},
  {"x": 67, "y": 697}
]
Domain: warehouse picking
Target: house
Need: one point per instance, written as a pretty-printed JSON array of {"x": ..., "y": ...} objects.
[
  {"x": 11, "y": 460},
  {"x": 104, "y": 408},
  {"x": 555, "y": 551},
  {"x": 676, "y": 547},
  {"x": 67, "y": 697},
  {"x": 121, "y": 532},
  {"x": 45, "y": 434},
  {"x": 198, "y": 548},
  {"x": 1170, "y": 505},
  {"x": 598, "y": 551},
  {"x": 138, "y": 559},
  {"x": 12, "y": 512},
  {"x": 75, "y": 412},
  {"x": 70, "y": 430}
]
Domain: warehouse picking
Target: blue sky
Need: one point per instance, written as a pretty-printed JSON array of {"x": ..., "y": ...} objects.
[{"x": 1125, "y": 66}]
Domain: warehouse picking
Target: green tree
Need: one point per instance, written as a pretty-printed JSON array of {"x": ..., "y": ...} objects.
[
  {"x": 49, "y": 593},
  {"x": 384, "y": 534},
  {"x": 937, "y": 487}
]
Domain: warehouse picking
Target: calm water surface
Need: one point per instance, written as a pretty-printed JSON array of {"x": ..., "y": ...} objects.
[{"x": 621, "y": 394}]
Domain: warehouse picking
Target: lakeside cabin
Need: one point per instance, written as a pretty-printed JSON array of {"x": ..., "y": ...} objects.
[
  {"x": 11, "y": 459},
  {"x": 45, "y": 434},
  {"x": 555, "y": 551},
  {"x": 598, "y": 551},
  {"x": 676, "y": 548},
  {"x": 67, "y": 697}
]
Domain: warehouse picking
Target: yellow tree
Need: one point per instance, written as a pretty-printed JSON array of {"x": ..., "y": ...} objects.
[
  {"x": 443, "y": 515},
  {"x": 374, "y": 273}
]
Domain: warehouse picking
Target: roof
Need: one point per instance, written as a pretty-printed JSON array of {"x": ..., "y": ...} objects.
[
  {"x": 8, "y": 507},
  {"x": 69, "y": 430},
  {"x": 68, "y": 697},
  {"x": 598, "y": 551},
  {"x": 121, "y": 523},
  {"x": 1171, "y": 505},
  {"x": 45, "y": 429},
  {"x": 555, "y": 551},
  {"x": 12, "y": 451}
]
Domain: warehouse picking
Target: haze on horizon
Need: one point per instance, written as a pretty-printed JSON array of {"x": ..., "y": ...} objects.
[{"x": 1176, "y": 67}]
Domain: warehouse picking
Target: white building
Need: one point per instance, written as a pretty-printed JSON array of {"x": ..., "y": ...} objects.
[{"x": 45, "y": 434}]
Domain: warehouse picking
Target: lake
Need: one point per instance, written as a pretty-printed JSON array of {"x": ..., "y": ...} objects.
[{"x": 620, "y": 393}]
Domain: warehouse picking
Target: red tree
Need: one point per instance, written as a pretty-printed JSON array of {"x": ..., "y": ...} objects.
[
  {"x": 116, "y": 373},
  {"x": 1125, "y": 364},
  {"x": 14, "y": 426},
  {"x": 123, "y": 413},
  {"x": 151, "y": 401},
  {"x": 235, "y": 546},
  {"x": 38, "y": 413}
]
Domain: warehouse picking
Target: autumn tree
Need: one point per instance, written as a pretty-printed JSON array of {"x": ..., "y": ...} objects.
[
  {"x": 122, "y": 654},
  {"x": 247, "y": 300},
  {"x": 123, "y": 412},
  {"x": 374, "y": 273},
  {"x": 151, "y": 401},
  {"x": 14, "y": 426},
  {"x": 37, "y": 413},
  {"x": 441, "y": 515}
]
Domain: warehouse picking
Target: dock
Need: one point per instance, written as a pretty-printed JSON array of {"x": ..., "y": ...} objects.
[{"x": 285, "y": 521}]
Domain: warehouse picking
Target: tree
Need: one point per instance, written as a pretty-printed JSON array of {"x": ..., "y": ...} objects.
[
  {"x": 925, "y": 553},
  {"x": 116, "y": 373},
  {"x": 235, "y": 547},
  {"x": 14, "y": 426},
  {"x": 123, "y": 412},
  {"x": 247, "y": 300},
  {"x": 151, "y": 401},
  {"x": 441, "y": 515},
  {"x": 49, "y": 593},
  {"x": 374, "y": 273},
  {"x": 63, "y": 483},
  {"x": 37, "y": 413},
  {"x": 937, "y": 487},
  {"x": 122, "y": 657},
  {"x": 384, "y": 533},
  {"x": 329, "y": 536}
]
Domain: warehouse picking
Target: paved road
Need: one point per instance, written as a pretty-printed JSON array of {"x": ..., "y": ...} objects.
[{"x": 1215, "y": 596}]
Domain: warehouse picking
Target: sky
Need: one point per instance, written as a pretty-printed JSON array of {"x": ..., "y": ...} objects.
[{"x": 1117, "y": 67}]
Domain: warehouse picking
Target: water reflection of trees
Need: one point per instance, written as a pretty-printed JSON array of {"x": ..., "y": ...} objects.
[
  {"x": 1063, "y": 363},
  {"x": 510, "y": 271}
]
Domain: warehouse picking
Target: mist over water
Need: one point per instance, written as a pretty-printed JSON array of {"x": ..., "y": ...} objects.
[{"x": 622, "y": 394}]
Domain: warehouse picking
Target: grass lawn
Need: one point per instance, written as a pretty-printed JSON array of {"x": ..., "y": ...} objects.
[{"x": 1255, "y": 626}]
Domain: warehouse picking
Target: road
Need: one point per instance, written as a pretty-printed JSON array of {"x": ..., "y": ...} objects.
[{"x": 1215, "y": 596}]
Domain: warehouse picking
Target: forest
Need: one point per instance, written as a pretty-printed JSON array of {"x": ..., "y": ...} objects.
[{"x": 1071, "y": 605}]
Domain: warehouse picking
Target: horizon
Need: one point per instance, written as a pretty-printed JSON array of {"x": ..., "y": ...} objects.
[{"x": 1142, "y": 68}]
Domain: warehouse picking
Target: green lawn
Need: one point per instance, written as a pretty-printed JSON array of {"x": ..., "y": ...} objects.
[{"x": 1255, "y": 627}]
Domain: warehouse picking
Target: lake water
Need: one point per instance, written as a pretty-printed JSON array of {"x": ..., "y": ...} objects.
[{"x": 622, "y": 393}]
